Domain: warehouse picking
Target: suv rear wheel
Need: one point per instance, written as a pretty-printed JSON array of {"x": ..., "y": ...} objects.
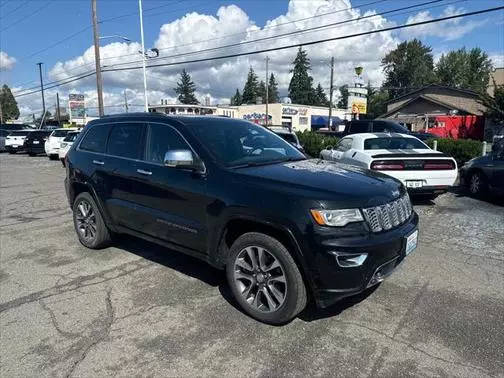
[
  {"x": 88, "y": 223},
  {"x": 265, "y": 279}
]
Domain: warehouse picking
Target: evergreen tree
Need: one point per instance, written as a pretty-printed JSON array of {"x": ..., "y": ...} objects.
[
  {"x": 408, "y": 67},
  {"x": 301, "y": 85},
  {"x": 250, "y": 89},
  {"x": 185, "y": 89},
  {"x": 261, "y": 92},
  {"x": 495, "y": 104},
  {"x": 273, "y": 96},
  {"x": 376, "y": 102},
  {"x": 237, "y": 98},
  {"x": 8, "y": 103},
  {"x": 343, "y": 101},
  {"x": 320, "y": 96},
  {"x": 464, "y": 69}
]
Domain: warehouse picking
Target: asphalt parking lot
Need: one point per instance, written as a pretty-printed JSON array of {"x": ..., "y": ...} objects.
[{"x": 137, "y": 309}]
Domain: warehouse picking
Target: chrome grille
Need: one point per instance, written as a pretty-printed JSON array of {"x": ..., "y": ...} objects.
[{"x": 388, "y": 216}]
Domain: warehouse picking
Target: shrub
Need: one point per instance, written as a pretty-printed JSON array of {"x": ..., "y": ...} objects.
[
  {"x": 313, "y": 143},
  {"x": 461, "y": 150}
]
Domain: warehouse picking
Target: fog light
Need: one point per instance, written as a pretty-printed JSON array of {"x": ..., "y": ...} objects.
[{"x": 350, "y": 260}]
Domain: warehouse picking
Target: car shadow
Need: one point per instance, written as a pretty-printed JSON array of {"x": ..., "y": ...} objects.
[
  {"x": 460, "y": 191},
  {"x": 204, "y": 272}
]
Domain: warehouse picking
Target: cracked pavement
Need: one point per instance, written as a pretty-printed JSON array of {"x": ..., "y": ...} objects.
[{"x": 138, "y": 309}]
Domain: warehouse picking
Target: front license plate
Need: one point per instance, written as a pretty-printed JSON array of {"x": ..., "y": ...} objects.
[
  {"x": 35, "y": 142},
  {"x": 414, "y": 184},
  {"x": 15, "y": 146},
  {"x": 411, "y": 242}
]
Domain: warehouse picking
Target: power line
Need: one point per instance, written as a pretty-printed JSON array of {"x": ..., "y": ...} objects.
[
  {"x": 28, "y": 16},
  {"x": 15, "y": 9},
  {"x": 426, "y": 22},
  {"x": 145, "y": 10}
]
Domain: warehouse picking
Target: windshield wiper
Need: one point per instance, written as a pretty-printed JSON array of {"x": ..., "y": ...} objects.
[{"x": 269, "y": 162}]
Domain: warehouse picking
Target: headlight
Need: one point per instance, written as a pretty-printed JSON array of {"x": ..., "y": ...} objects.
[{"x": 336, "y": 218}]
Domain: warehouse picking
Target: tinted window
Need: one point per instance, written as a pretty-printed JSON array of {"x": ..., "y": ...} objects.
[
  {"x": 359, "y": 127},
  {"x": 125, "y": 140},
  {"x": 59, "y": 133},
  {"x": 95, "y": 139},
  {"x": 237, "y": 143},
  {"x": 393, "y": 144},
  {"x": 19, "y": 133},
  {"x": 289, "y": 138},
  {"x": 161, "y": 139},
  {"x": 70, "y": 137},
  {"x": 4, "y": 133},
  {"x": 382, "y": 126}
]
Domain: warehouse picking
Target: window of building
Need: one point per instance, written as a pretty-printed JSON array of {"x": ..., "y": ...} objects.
[
  {"x": 95, "y": 139},
  {"x": 125, "y": 140},
  {"x": 303, "y": 120}
]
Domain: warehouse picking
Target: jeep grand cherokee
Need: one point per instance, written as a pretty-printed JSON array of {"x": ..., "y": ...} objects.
[{"x": 236, "y": 195}]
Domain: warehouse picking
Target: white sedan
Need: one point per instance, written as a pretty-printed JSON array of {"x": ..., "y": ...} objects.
[
  {"x": 404, "y": 157},
  {"x": 66, "y": 144}
]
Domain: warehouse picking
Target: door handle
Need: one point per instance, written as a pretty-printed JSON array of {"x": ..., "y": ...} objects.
[
  {"x": 98, "y": 162},
  {"x": 142, "y": 172}
]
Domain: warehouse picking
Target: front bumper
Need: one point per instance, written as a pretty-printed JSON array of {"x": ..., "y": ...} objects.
[{"x": 385, "y": 251}]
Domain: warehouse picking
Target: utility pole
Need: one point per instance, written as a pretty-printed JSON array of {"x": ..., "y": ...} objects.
[
  {"x": 331, "y": 94},
  {"x": 58, "y": 115},
  {"x": 267, "y": 91},
  {"x": 1, "y": 113},
  {"x": 99, "y": 81},
  {"x": 143, "y": 55},
  {"x": 125, "y": 101},
  {"x": 41, "y": 87}
]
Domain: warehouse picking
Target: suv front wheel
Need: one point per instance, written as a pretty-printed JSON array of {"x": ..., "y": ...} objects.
[
  {"x": 88, "y": 223},
  {"x": 265, "y": 279}
]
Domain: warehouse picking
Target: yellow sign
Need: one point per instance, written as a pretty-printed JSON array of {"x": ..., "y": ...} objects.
[{"x": 359, "y": 105}]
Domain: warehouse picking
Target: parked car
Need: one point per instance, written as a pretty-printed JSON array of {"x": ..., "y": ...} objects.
[
  {"x": 14, "y": 126},
  {"x": 3, "y": 136},
  {"x": 420, "y": 169},
  {"x": 34, "y": 142},
  {"x": 285, "y": 228},
  {"x": 66, "y": 144},
  {"x": 14, "y": 142},
  {"x": 53, "y": 143},
  {"x": 486, "y": 173},
  {"x": 287, "y": 135},
  {"x": 378, "y": 126}
]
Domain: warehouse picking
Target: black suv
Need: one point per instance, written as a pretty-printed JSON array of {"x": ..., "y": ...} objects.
[{"x": 236, "y": 195}]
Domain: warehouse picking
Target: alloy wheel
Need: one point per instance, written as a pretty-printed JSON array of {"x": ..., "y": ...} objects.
[
  {"x": 260, "y": 279},
  {"x": 475, "y": 183},
  {"x": 86, "y": 220}
]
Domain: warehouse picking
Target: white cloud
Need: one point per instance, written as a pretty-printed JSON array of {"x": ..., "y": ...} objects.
[
  {"x": 220, "y": 78},
  {"x": 448, "y": 30},
  {"x": 6, "y": 61},
  {"x": 497, "y": 60}
]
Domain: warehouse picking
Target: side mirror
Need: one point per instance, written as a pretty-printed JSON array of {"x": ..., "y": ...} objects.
[{"x": 179, "y": 159}]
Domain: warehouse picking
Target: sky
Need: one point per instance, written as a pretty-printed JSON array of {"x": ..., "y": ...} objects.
[{"x": 58, "y": 33}]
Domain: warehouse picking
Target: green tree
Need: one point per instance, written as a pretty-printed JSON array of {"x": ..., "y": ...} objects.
[
  {"x": 8, "y": 104},
  {"x": 343, "y": 101},
  {"x": 261, "y": 92},
  {"x": 185, "y": 89},
  {"x": 376, "y": 102},
  {"x": 250, "y": 89},
  {"x": 495, "y": 104},
  {"x": 237, "y": 98},
  {"x": 464, "y": 69},
  {"x": 301, "y": 85},
  {"x": 320, "y": 96},
  {"x": 408, "y": 67},
  {"x": 273, "y": 96}
]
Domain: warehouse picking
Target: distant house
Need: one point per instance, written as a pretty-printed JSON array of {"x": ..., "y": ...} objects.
[{"x": 445, "y": 111}]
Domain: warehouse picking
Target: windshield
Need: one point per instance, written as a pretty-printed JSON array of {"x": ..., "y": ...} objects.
[
  {"x": 70, "y": 137},
  {"x": 288, "y": 137},
  {"x": 19, "y": 133},
  {"x": 59, "y": 133},
  {"x": 393, "y": 144},
  {"x": 236, "y": 143}
]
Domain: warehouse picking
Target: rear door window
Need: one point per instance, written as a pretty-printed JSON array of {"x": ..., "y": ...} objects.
[
  {"x": 95, "y": 139},
  {"x": 125, "y": 140}
]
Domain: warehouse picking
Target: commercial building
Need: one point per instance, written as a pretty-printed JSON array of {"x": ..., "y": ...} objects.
[
  {"x": 296, "y": 117},
  {"x": 496, "y": 79}
]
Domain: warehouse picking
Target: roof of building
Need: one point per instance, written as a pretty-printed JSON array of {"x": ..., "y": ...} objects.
[{"x": 465, "y": 91}]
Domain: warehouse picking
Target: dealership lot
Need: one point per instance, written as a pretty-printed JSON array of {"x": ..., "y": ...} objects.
[{"x": 140, "y": 309}]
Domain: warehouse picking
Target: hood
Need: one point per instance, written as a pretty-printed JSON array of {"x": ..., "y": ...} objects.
[{"x": 325, "y": 180}]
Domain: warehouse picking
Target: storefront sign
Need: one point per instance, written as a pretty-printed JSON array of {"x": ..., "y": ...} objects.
[
  {"x": 289, "y": 111},
  {"x": 359, "y": 105},
  {"x": 258, "y": 118},
  {"x": 303, "y": 111},
  {"x": 77, "y": 106}
]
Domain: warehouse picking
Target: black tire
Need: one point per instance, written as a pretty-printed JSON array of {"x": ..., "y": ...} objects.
[
  {"x": 53, "y": 157},
  {"x": 31, "y": 154},
  {"x": 101, "y": 237},
  {"x": 63, "y": 162},
  {"x": 12, "y": 152},
  {"x": 477, "y": 184},
  {"x": 295, "y": 297}
]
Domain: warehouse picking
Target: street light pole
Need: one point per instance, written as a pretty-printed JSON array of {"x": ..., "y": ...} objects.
[
  {"x": 267, "y": 92},
  {"x": 99, "y": 81},
  {"x": 331, "y": 94},
  {"x": 143, "y": 55},
  {"x": 41, "y": 88}
]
